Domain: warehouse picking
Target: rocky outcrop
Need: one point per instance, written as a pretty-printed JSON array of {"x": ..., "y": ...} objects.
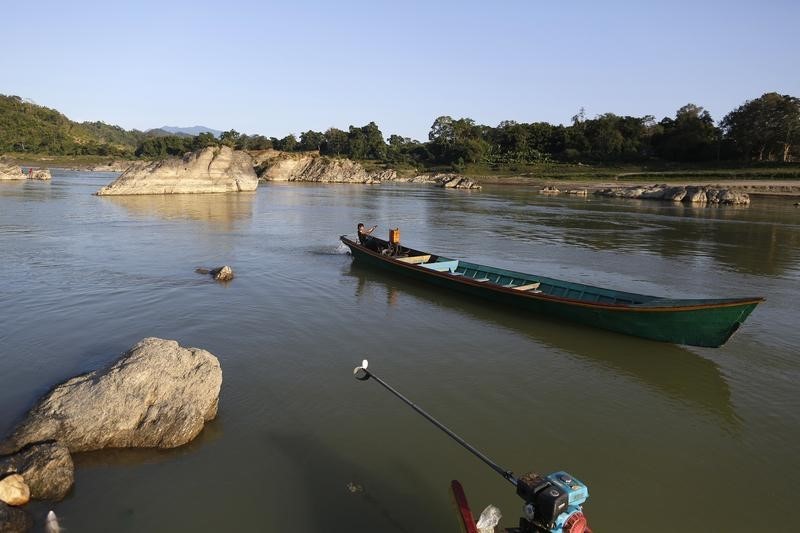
[
  {"x": 210, "y": 170},
  {"x": 698, "y": 194},
  {"x": 13, "y": 520},
  {"x": 445, "y": 180},
  {"x": 9, "y": 171},
  {"x": 14, "y": 491},
  {"x": 455, "y": 181},
  {"x": 42, "y": 174},
  {"x": 158, "y": 394},
  {"x": 321, "y": 169},
  {"x": 47, "y": 468},
  {"x": 549, "y": 190},
  {"x": 578, "y": 192},
  {"x": 224, "y": 273}
]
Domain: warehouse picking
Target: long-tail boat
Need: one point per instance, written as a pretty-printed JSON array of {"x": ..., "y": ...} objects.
[{"x": 694, "y": 322}]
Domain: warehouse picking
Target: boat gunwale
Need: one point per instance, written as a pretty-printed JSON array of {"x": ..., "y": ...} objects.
[{"x": 639, "y": 308}]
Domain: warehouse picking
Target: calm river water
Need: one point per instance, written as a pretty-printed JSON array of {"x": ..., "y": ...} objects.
[{"x": 667, "y": 438}]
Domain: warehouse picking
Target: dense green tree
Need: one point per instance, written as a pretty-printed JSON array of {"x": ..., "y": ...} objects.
[
  {"x": 287, "y": 144},
  {"x": 229, "y": 138},
  {"x": 765, "y": 126},
  {"x": 311, "y": 140},
  {"x": 203, "y": 140},
  {"x": 335, "y": 143},
  {"x": 690, "y": 136}
]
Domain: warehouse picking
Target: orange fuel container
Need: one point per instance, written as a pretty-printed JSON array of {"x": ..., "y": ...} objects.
[{"x": 394, "y": 236}]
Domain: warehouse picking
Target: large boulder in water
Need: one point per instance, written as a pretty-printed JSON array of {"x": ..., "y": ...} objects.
[
  {"x": 158, "y": 395},
  {"x": 212, "y": 169},
  {"x": 47, "y": 468}
]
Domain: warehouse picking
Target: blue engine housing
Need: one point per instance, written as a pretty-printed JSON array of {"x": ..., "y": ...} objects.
[{"x": 577, "y": 493}]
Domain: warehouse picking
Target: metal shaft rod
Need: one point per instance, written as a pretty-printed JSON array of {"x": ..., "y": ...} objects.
[{"x": 507, "y": 474}]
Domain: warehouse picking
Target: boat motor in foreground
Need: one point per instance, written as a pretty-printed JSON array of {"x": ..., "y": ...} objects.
[{"x": 553, "y": 503}]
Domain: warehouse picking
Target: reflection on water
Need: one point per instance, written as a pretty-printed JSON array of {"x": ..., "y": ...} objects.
[
  {"x": 762, "y": 238},
  {"x": 669, "y": 369},
  {"x": 220, "y": 209},
  {"x": 89, "y": 276}
]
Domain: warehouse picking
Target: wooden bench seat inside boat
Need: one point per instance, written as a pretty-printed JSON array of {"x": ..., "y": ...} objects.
[
  {"x": 528, "y": 287},
  {"x": 417, "y": 259}
]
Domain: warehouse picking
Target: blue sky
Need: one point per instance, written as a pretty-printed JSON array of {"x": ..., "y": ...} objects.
[{"x": 286, "y": 67}]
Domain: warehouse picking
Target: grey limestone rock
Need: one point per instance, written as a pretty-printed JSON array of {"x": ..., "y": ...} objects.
[
  {"x": 46, "y": 467},
  {"x": 688, "y": 194},
  {"x": 158, "y": 394}
]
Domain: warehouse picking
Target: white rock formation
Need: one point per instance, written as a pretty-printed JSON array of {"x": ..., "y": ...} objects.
[
  {"x": 9, "y": 171},
  {"x": 158, "y": 394},
  {"x": 210, "y": 170},
  {"x": 445, "y": 180},
  {"x": 310, "y": 167},
  {"x": 40, "y": 174}
]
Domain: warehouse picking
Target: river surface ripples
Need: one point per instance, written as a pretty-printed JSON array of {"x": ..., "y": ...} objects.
[{"x": 681, "y": 439}]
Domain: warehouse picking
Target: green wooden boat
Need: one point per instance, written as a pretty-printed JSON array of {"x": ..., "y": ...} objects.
[{"x": 695, "y": 322}]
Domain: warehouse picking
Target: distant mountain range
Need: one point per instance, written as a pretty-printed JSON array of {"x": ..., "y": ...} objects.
[{"x": 192, "y": 130}]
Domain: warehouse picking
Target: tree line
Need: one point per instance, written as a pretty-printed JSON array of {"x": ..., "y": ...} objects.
[{"x": 764, "y": 129}]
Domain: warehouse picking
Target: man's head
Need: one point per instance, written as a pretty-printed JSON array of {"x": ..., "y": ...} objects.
[{"x": 360, "y": 226}]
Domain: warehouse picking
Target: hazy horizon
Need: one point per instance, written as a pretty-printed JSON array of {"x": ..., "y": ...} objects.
[{"x": 275, "y": 69}]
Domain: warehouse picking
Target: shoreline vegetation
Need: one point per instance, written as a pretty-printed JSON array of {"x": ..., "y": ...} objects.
[{"x": 755, "y": 146}]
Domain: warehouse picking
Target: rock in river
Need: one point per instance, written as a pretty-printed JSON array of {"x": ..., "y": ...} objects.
[
  {"x": 224, "y": 273},
  {"x": 13, "y": 520},
  {"x": 283, "y": 166},
  {"x": 41, "y": 174},
  {"x": 212, "y": 169},
  {"x": 14, "y": 490},
  {"x": 9, "y": 171},
  {"x": 158, "y": 394},
  {"x": 46, "y": 467},
  {"x": 696, "y": 194}
]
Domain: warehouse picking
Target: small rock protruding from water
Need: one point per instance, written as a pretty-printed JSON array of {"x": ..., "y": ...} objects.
[
  {"x": 14, "y": 491},
  {"x": 550, "y": 189},
  {"x": 354, "y": 488},
  {"x": 223, "y": 273}
]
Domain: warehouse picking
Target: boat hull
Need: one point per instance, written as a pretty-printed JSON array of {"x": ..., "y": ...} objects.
[{"x": 707, "y": 323}]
